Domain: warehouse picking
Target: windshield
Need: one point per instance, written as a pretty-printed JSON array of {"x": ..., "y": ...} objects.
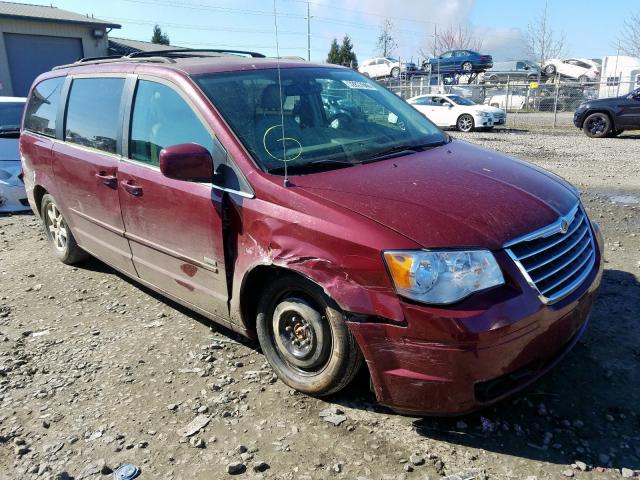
[
  {"x": 10, "y": 115},
  {"x": 460, "y": 100},
  {"x": 322, "y": 118}
]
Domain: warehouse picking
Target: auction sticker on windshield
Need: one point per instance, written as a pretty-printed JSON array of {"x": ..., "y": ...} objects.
[{"x": 358, "y": 85}]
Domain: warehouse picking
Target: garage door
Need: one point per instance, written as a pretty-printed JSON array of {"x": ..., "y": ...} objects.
[{"x": 30, "y": 55}]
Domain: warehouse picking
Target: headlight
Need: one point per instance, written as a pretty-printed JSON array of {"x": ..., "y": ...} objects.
[
  {"x": 485, "y": 114},
  {"x": 442, "y": 277}
]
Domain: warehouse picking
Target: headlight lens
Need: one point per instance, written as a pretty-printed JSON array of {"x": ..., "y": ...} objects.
[
  {"x": 442, "y": 277},
  {"x": 484, "y": 114}
]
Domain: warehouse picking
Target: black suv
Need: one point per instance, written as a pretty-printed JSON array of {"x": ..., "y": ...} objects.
[{"x": 608, "y": 117}]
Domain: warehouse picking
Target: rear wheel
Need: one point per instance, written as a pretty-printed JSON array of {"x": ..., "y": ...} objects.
[
  {"x": 467, "y": 67},
  {"x": 465, "y": 123},
  {"x": 304, "y": 337},
  {"x": 395, "y": 72},
  {"x": 63, "y": 244},
  {"x": 597, "y": 125},
  {"x": 550, "y": 69}
]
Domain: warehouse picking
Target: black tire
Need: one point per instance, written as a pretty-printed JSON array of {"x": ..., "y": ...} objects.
[
  {"x": 62, "y": 242},
  {"x": 597, "y": 125},
  {"x": 467, "y": 67},
  {"x": 395, "y": 72},
  {"x": 465, "y": 123},
  {"x": 550, "y": 70},
  {"x": 292, "y": 309}
]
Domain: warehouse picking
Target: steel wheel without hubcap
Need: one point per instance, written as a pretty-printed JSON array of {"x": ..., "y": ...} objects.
[
  {"x": 304, "y": 336},
  {"x": 301, "y": 334},
  {"x": 57, "y": 227},
  {"x": 465, "y": 123}
]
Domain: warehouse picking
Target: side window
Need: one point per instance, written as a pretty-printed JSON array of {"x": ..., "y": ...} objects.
[
  {"x": 161, "y": 118},
  {"x": 43, "y": 107},
  {"x": 520, "y": 66},
  {"x": 93, "y": 113}
]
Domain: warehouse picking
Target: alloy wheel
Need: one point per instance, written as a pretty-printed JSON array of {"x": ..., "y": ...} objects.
[
  {"x": 465, "y": 123},
  {"x": 596, "y": 125},
  {"x": 57, "y": 227}
]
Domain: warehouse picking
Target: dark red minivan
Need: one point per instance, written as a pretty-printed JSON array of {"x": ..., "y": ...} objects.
[{"x": 308, "y": 207}]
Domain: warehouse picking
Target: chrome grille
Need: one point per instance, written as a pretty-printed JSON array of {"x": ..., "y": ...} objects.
[{"x": 556, "y": 259}]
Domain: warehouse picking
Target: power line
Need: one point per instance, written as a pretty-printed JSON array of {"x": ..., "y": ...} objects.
[
  {"x": 198, "y": 27},
  {"x": 200, "y": 6}
]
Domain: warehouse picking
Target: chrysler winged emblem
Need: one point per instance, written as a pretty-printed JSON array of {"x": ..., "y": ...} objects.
[{"x": 564, "y": 226}]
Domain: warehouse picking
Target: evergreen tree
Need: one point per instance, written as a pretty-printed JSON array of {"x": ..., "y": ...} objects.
[
  {"x": 334, "y": 53},
  {"x": 159, "y": 37},
  {"x": 347, "y": 55}
]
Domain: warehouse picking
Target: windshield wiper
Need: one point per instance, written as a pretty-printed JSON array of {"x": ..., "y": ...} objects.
[{"x": 399, "y": 150}]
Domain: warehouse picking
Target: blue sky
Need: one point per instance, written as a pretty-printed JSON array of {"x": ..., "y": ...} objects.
[{"x": 590, "y": 26}]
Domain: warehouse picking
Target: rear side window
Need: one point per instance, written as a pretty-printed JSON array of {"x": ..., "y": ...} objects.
[
  {"x": 42, "y": 109},
  {"x": 93, "y": 113},
  {"x": 162, "y": 118}
]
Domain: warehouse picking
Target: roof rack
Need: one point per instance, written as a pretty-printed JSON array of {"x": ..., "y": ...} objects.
[
  {"x": 159, "y": 56},
  {"x": 180, "y": 52}
]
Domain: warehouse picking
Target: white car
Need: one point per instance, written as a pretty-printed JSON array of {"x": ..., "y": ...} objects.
[
  {"x": 12, "y": 194},
  {"x": 459, "y": 112},
  {"x": 515, "y": 101},
  {"x": 385, "y": 67},
  {"x": 581, "y": 69}
]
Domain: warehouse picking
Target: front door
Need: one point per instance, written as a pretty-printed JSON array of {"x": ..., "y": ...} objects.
[
  {"x": 174, "y": 227},
  {"x": 86, "y": 165},
  {"x": 629, "y": 115},
  {"x": 440, "y": 113}
]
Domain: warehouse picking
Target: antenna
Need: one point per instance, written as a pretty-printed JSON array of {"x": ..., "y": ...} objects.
[{"x": 284, "y": 141}]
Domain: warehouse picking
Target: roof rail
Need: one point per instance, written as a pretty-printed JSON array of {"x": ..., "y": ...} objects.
[
  {"x": 182, "y": 52},
  {"x": 159, "y": 56},
  {"x": 113, "y": 59}
]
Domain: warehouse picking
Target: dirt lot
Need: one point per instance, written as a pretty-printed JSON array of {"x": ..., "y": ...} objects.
[{"x": 96, "y": 371}]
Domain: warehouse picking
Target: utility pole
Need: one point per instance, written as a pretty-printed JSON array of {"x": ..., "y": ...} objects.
[{"x": 308, "y": 31}]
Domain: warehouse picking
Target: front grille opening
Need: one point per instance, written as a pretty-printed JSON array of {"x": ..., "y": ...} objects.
[{"x": 556, "y": 264}]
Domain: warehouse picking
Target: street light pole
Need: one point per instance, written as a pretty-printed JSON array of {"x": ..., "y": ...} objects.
[{"x": 308, "y": 31}]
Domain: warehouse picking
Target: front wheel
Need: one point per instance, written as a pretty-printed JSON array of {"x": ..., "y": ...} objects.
[
  {"x": 467, "y": 67},
  {"x": 304, "y": 337},
  {"x": 63, "y": 244},
  {"x": 597, "y": 125},
  {"x": 395, "y": 72},
  {"x": 550, "y": 69},
  {"x": 465, "y": 123}
]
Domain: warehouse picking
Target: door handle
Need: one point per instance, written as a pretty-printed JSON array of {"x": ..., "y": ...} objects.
[
  {"x": 131, "y": 188},
  {"x": 107, "y": 179}
]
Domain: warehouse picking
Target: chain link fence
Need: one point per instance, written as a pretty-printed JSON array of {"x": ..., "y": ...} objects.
[{"x": 544, "y": 104}]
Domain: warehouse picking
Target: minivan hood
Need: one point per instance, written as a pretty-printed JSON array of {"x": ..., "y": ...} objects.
[{"x": 456, "y": 195}]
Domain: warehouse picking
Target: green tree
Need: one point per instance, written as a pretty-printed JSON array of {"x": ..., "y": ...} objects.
[
  {"x": 159, "y": 37},
  {"x": 334, "y": 53},
  {"x": 347, "y": 55}
]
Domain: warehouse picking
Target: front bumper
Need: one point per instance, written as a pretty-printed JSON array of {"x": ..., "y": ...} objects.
[
  {"x": 578, "y": 118},
  {"x": 451, "y": 361},
  {"x": 13, "y": 197}
]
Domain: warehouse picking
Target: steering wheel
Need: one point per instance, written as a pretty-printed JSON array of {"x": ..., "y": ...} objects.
[{"x": 335, "y": 120}]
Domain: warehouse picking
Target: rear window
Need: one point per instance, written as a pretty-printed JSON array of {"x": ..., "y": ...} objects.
[
  {"x": 93, "y": 113},
  {"x": 10, "y": 115},
  {"x": 42, "y": 109}
]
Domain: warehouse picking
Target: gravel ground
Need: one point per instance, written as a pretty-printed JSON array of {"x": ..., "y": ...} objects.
[{"x": 96, "y": 371}]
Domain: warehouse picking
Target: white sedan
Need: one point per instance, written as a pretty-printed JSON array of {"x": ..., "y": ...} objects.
[
  {"x": 581, "y": 69},
  {"x": 12, "y": 194},
  {"x": 458, "y": 112}
]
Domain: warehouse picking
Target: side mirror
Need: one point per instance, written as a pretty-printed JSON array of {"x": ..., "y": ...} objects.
[{"x": 188, "y": 161}]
